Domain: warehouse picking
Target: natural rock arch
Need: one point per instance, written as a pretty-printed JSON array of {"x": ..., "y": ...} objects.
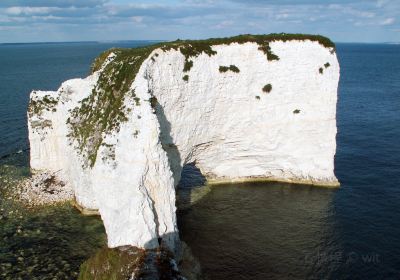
[{"x": 222, "y": 120}]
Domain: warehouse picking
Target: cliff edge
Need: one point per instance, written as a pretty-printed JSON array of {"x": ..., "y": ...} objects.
[{"x": 243, "y": 108}]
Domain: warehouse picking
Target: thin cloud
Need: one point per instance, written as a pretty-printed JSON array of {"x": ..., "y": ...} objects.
[
  {"x": 52, "y": 3},
  {"x": 388, "y": 21},
  {"x": 16, "y": 11},
  {"x": 170, "y": 19}
]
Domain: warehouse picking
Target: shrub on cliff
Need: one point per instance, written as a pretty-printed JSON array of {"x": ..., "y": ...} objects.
[
  {"x": 267, "y": 88},
  {"x": 232, "y": 68}
]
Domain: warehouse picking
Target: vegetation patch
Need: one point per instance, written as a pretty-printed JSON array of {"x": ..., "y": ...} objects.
[
  {"x": 41, "y": 124},
  {"x": 186, "y": 78},
  {"x": 108, "y": 153},
  {"x": 103, "y": 111},
  {"x": 223, "y": 69},
  {"x": 321, "y": 70},
  {"x": 327, "y": 65},
  {"x": 37, "y": 105},
  {"x": 188, "y": 65},
  {"x": 153, "y": 102},
  {"x": 232, "y": 68},
  {"x": 297, "y": 111},
  {"x": 191, "y": 49},
  {"x": 99, "y": 61},
  {"x": 258, "y": 97},
  {"x": 267, "y": 88}
]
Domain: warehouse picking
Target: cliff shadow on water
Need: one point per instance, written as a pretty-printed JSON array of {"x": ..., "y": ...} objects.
[{"x": 261, "y": 230}]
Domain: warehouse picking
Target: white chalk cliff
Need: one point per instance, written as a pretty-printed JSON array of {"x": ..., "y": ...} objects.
[{"x": 219, "y": 118}]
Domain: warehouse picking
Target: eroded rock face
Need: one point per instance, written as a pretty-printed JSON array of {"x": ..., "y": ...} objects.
[
  {"x": 234, "y": 129},
  {"x": 233, "y": 110}
]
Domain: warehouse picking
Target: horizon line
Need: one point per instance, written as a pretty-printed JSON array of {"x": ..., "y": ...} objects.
[
  {"x": 75, "y": 42},
  {"x": 158, "y": 40}
]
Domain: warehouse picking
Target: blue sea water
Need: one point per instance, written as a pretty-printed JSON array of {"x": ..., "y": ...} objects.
[{"x": 270, "y": 231}]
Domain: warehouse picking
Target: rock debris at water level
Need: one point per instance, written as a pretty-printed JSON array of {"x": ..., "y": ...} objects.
[{"x": 245, "y": 108}]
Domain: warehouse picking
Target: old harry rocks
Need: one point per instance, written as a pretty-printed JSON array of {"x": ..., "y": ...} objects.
[{"x": 241, "y": 108}]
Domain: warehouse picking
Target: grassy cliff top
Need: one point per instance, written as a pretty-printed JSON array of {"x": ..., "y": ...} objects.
[{"x": 195, "y": 47}]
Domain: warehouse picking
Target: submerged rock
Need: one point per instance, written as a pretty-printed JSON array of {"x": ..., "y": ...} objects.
[{"x": 130, "y": 263}]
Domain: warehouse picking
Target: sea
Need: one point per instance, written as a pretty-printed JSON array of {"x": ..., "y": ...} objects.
[{"x": 236, "y": 231}]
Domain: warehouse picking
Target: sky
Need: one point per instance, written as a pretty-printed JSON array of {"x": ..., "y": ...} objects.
[{"x": 108, "y": 20}]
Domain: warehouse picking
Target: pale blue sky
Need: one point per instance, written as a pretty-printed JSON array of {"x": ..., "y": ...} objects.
[{"x": 87, "y": 20}]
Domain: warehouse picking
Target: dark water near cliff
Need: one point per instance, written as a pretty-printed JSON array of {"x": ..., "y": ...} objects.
[{"x": 257, "y": 231}]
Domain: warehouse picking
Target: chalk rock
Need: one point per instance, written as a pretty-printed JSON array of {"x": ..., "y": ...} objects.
[{"x": 232, "y": 109}]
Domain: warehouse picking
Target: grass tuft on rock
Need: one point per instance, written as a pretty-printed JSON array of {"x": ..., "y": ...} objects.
[
  {"x": 103, "y": 111},
  {"x": 38, "y": 105},
  {"x": 233, "y": 68},
  {"x": 267, "y": 88}
]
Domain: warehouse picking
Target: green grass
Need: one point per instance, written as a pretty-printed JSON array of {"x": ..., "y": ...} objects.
[
  {"x": 188, "y": 65},
  {"x": 153, "y": 102},
  {"x": 37, "y": 106},
  {"x": 232, "y": 68},
  {"x": 267, "y": 88},
  {"x": 223, "y": 69},
  {"x": 98, "y": 62},
  {"x": 103, "y": 111}
]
